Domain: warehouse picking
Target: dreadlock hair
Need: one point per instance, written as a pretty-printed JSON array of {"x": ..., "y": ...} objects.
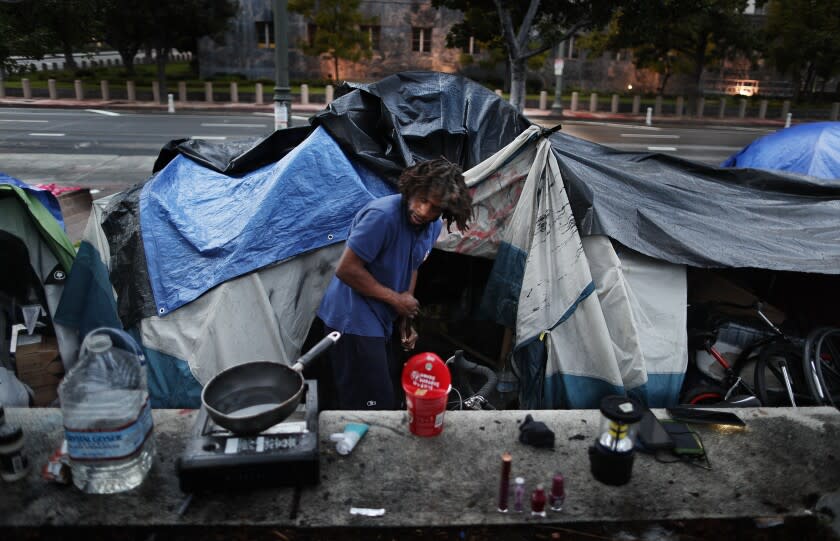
[{"x": 442, "y": 178}]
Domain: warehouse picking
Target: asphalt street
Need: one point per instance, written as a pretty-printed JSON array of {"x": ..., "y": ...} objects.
[{"x": 109, "y": 150}]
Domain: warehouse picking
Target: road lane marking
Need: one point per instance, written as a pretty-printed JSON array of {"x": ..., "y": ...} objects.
[
  {"x": 47, "y": 134},
  {"x": 21, "y": 120},
  {"x": 607, "y": 124},
  {"x": 225, "y": 125},
  {"x": 650, "y": 135},
  {"x": 102, "y": 112},
  {"x": 663, "y": 149},
  {"x": 294, "y": 117},
  {"x": 214, "y": 137}
]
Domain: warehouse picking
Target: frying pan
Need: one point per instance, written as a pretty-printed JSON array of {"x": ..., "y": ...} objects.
[{"x": 250, "y": 397}]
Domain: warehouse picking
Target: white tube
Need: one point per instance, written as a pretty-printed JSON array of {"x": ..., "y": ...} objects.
[{"x": 347, "y": 440}]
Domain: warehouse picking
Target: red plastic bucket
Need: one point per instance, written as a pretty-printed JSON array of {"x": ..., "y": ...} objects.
[{"x": 426, "y": 382}]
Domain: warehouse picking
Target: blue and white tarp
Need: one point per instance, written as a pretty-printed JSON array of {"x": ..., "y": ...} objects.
[
  {"x": 201, "y": 228},
  {"x": 588, "y": 322}
]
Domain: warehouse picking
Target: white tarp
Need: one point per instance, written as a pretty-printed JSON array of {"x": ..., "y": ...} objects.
[
  {"x": 264, "y": 315},
  {"x": 580, "y": 345}
]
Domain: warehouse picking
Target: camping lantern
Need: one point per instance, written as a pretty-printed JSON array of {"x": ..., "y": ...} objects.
[{"x": 611, "y": 457}]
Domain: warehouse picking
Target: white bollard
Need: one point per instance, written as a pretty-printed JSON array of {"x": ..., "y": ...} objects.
[
  {"x": 258, "y": 93},
  {"x": 329, "y": 93},
  {"x": 170, "y": 103},
  {"x": 649, "y": 116},
  {"x": 787, "y": 120},
  {"x": 304, "y": 94},
  {"x": 543, "y": 100}
]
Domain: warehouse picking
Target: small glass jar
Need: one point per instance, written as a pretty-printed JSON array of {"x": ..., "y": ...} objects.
[
  {"x": 558, "y": 493},
  {"x": 518, "y": 494},
  {"x": 13, "y": 462},
  {"x": 538, "y": 501}
]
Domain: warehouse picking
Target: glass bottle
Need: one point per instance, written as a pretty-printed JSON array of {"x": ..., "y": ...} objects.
[{"x": 538, "y": 501}]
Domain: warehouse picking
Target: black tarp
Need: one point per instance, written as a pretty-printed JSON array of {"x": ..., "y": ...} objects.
[{"x": 420, "y": 115}]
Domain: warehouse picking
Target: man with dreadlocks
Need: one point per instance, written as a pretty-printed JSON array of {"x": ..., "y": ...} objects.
[{"x": 374, "y": 283}]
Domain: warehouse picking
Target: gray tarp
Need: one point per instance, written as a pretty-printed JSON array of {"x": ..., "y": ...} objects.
[{"x": 702, "y": 216}]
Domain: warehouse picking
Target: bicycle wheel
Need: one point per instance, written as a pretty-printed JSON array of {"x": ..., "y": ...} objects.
[
  {"x": 827, "y": 365},
  {"x": 810, "y": 362},
  {"x": 770, "y": 387},
  {"x": 704, "y": 395}
]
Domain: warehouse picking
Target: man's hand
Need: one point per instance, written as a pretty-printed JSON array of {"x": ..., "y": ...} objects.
[
  {"x": 408, "y": 335},
  {"x": 406, "y": 305}
]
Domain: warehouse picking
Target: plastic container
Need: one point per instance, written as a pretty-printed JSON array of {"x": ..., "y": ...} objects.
[
  {"x": 346, "y": 441},
  {"x": 426, "y": 381},
  {"x": 107, "y": 416}
]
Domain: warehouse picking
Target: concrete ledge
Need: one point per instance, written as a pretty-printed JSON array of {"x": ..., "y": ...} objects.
[{"x": 779, "y": 474}]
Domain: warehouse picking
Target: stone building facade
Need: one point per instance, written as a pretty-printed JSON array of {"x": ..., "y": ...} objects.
[{"x": 407, "y": 35}]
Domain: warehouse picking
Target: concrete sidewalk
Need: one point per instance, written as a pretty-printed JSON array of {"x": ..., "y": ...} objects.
[
  {"x": 775, "y": 479},
  {"x": 545, "y": 117}
]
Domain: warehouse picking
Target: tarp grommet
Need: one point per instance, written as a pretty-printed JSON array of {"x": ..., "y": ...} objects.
[{"x": 330, "y": 236}]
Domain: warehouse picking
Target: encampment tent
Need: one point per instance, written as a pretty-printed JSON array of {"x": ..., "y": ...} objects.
[
  {"x": 222, "y": 256},
  {"x": 810, "y": 149},
  {"x": 36, "y": 256}
]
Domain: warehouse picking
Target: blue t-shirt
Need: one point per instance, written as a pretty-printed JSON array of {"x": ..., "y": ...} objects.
[{"x": 392, "y": 249}]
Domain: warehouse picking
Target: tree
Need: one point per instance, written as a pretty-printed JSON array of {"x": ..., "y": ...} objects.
[
  {"x": 338, "y": 32},
  {"x": 72, "y": 23},
  {"x": 679, "y": 36},
  {"x": 21, "y": 34},
  {"x": 124, "y": 27},
  {"x": 802, "y": 41},
  {"x": 164, "y": 26},
  {"x": 527, "y": 29}
]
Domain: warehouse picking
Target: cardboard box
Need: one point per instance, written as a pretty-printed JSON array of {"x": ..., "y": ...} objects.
[{"x": 39, "y": 366}]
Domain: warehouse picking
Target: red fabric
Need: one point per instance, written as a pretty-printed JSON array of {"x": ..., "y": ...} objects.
[{"x": 56, "y": 189}]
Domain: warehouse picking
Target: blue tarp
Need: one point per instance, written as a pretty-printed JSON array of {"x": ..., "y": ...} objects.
[
  {"x": 201, "y": 227},
  {"x": 810, "y": 149}
]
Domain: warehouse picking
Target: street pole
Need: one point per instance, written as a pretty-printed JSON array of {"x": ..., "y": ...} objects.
[
  {"x": 282, "y": 95},
  {"x": 557, "y": 106}
]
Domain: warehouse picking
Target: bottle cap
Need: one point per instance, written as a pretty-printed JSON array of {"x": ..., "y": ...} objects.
[
  {"x": 519, "y": 480},
  {"x": 98, "y": 343}
]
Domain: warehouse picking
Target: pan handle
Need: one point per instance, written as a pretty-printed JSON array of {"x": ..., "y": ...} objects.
[{"x": 322, "y": 346}]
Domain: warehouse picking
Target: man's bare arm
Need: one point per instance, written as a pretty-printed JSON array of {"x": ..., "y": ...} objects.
[{"x": 351, "y": 270}]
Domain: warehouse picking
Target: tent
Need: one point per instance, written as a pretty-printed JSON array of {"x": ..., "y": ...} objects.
[
  {"x": 36, "y": 255},
  {"x": 582, "y": 251},
  {"x": 810, "y": 149}
]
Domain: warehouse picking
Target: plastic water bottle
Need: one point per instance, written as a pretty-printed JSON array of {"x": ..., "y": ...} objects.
[{"x": 107, "y": 416}]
